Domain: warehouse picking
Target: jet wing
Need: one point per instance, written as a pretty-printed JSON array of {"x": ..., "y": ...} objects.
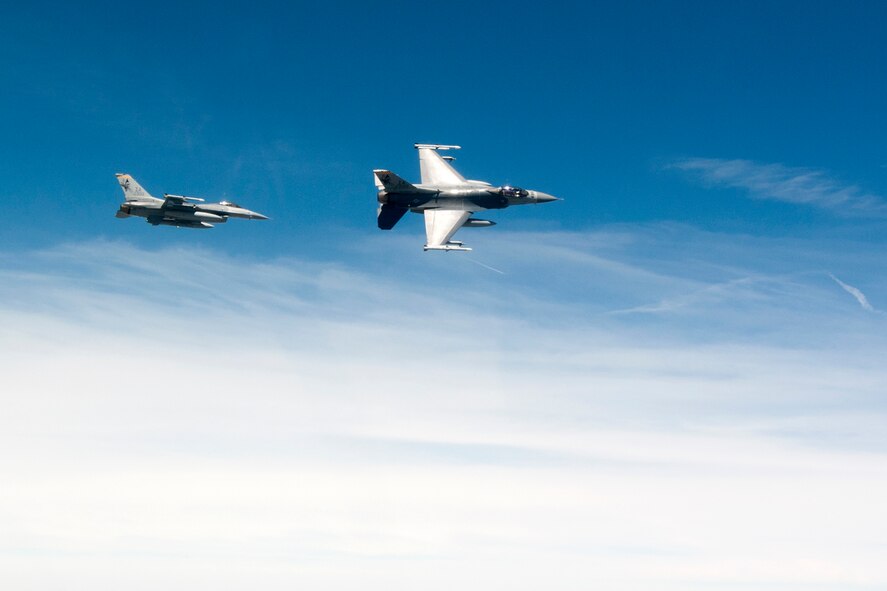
[
  {"x": 435, "y": 170},
  {"x": 440, "y": 225}
]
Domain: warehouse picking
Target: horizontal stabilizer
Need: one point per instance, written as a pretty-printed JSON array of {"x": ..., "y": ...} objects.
[
  {"x": 391, "y": 183},
  {"x": 389, "y": 215}
]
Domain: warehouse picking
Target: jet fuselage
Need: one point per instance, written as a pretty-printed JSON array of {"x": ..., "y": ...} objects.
[
  {"x": 464, "y": 198},
  {"x": 215, "y": 213}
]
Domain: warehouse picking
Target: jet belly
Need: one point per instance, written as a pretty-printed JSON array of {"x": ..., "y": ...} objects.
[
  {"x": 194, "y": 216},
  {"x": 459, "y": 199},
  {"x": 139, "y": 210},
  {"x": 413, "y": 201},
  {"x": 234, "y": 212},
  {"x": 476, "y": 198}
]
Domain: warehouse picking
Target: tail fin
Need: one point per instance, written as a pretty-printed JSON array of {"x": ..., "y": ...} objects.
[
  {"x": 391, "y": 183},
  {"x": 132, "y": 191}
]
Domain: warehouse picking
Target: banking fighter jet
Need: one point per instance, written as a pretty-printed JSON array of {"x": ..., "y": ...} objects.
[
  {"x": 446, "y": 199},
  {"x": 177, "y": 210}
]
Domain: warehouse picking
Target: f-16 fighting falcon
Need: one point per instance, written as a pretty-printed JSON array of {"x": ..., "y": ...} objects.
[
  {"x": 176, "y": 210},
  {"x": 445, "y": 198}
]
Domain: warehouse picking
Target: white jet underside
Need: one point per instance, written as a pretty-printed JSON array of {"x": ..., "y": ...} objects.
[
  {"x": 436, "y": 171},
  {"x": 441, "y": 224}
]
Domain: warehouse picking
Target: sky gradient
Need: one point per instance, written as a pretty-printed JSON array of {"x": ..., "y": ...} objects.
[{"x": 672, "y": 379}]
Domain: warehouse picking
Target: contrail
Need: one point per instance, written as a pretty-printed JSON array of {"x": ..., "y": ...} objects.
[
  {"x": 476, "y": 262},
  {"x": 860, "y": 297}
]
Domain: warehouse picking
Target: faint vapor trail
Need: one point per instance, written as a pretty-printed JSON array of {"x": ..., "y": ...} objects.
[
  {"x": 485, "y": 266},
  {"x": 855, "y": 292}
]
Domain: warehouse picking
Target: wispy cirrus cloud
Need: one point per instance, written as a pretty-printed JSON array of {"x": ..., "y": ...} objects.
[
  {"x": 856, "y": 293},
  {"x": 784, "y": 183}
]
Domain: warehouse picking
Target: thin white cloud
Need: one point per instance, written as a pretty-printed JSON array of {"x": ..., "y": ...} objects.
[
  {"x": 783, "y": 183},
  {"x": 734, "y": 289},
  {"x": 173, "y": 417},
  {"x": 855, "y": 292}
]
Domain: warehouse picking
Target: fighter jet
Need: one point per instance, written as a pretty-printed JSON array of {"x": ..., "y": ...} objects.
[
  {"x": 176, "y": 210},
  {"x": 445, "y": 198}
]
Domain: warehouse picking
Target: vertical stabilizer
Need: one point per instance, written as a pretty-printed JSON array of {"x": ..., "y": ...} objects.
[{"x": 132, "y": 190}]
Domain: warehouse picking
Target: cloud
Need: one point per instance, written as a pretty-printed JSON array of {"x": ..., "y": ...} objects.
[
  {"x": 782, "y": 183},
  {"x": 177, "y": 416},
  {"x": 856, "y": 293}
]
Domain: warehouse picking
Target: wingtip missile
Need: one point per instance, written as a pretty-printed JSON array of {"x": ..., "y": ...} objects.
[
  {"x": 184, "y": 197},
  {"x": 451, "y": 245},
  {"x": 436, "y": 147}
]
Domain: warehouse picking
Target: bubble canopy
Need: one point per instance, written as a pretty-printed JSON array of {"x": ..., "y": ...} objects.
[{"x": 509, "y": 191}]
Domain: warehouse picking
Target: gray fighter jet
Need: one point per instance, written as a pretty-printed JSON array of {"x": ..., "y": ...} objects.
[
  {"x": 177, "y": 210},
  {"x": 445, "y": 198}
]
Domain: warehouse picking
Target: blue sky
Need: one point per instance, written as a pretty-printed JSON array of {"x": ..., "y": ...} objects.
[
  {"x": 672, "y": 379},
  {"x": 288, "y": 107}
]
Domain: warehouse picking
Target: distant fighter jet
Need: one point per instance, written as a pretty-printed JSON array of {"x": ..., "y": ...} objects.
[
  {"x": 177, "y": 210},
  {"x": 445, "y": 198}
]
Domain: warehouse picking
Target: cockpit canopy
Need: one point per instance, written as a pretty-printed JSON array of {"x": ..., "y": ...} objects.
[
  {"x": 509, "y": 191},
  {"x": 228, "y": 203}
]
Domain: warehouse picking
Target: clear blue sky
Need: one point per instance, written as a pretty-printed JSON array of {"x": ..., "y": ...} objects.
[
  {"x": 287, "y": 107},
  {"x": 673, "y": 379}
]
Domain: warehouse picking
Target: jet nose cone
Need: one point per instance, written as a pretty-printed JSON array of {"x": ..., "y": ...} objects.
[
  {"x": 541, "y": 197},
  {"x": 256, "y": 216}
]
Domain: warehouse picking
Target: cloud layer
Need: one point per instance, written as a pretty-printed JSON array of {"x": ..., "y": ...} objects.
[
  {"x": 175, "y": 418},
  {"x": 783, "y": 183}
]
